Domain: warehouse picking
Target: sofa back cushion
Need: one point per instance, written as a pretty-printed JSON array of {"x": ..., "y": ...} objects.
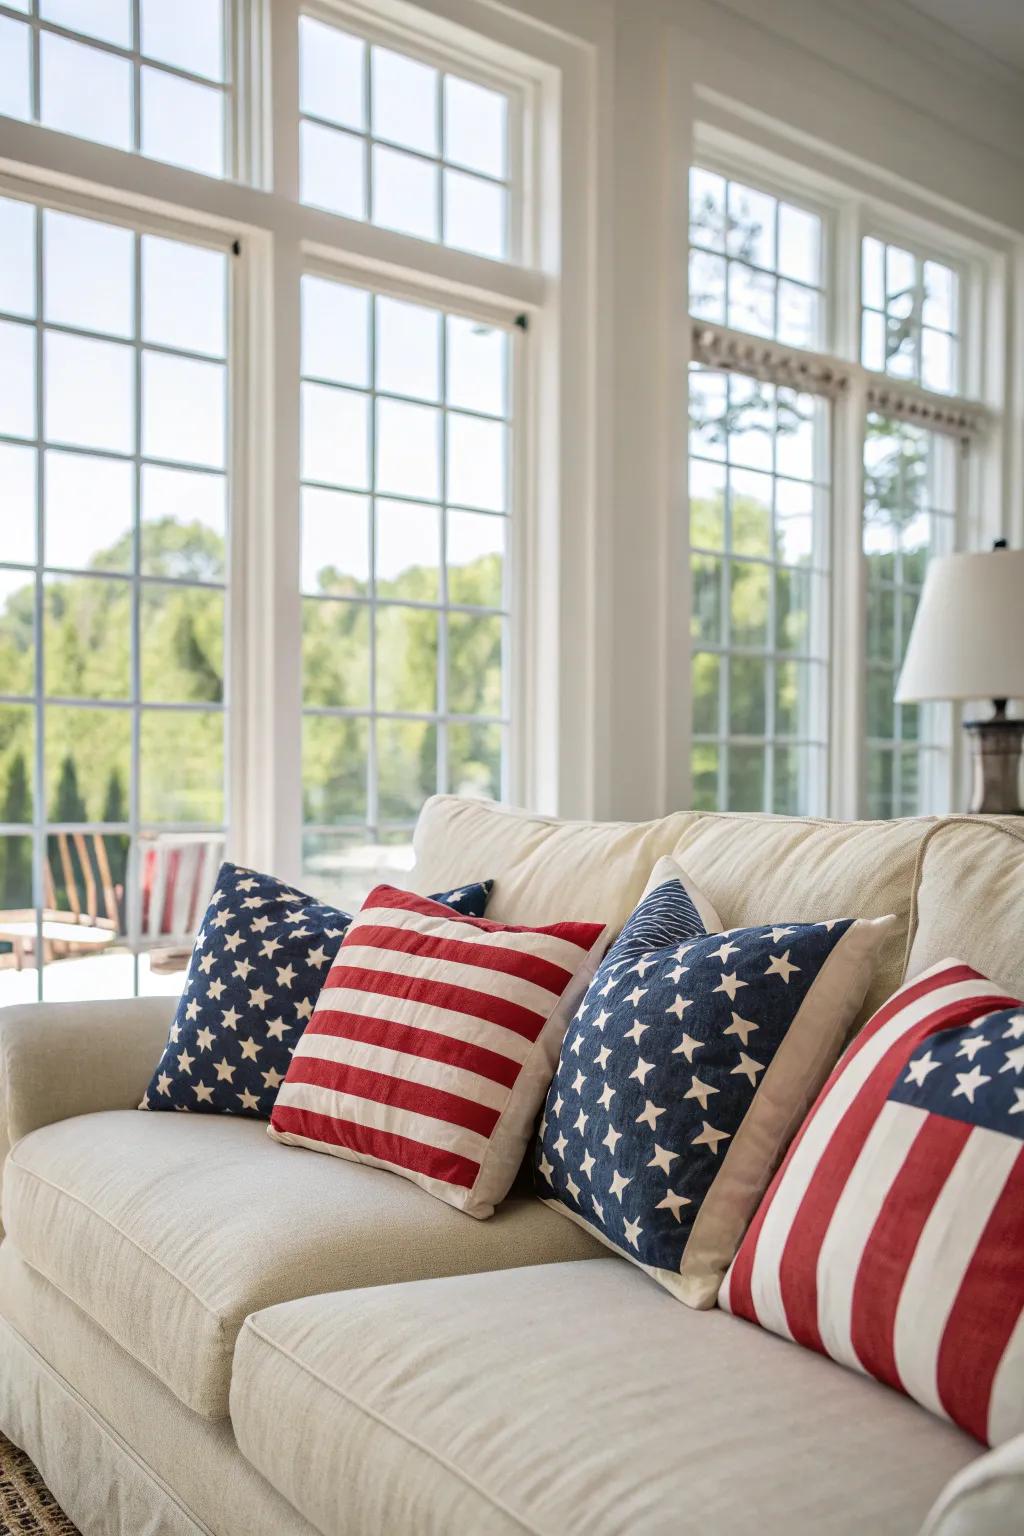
[
  {"x": 969, "y": 899},
  {"x": 754, "y": 869}
]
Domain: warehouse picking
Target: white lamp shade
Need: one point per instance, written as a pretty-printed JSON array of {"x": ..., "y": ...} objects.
[{"x": 968, "y": 636}]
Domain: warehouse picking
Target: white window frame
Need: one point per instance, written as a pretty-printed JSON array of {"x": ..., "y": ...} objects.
[
  {"x": 852, "y": 207},
  {"x": 556, "y": 764}
]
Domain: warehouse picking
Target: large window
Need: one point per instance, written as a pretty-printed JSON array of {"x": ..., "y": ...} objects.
[
  {"x": 113, "y": 459},
  {"x": 787, "y": 634},
  {"x": 405, "y": 502}
]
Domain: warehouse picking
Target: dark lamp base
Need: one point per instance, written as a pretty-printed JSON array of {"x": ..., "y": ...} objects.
[{"x": 996, "y": 749}]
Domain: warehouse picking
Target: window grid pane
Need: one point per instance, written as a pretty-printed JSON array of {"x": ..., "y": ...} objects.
[
  {"x": 404, "y": 570},
  {"x": 909, "y": 516},
  {"x": 142, "y": 76},
  {"x": 910, "y": 316},
  {"x": 112, "y": 601},
  {"x": 387, "y": 138},
  {"x": 759, "y": 514},
  {"x": 756, "y": 261}
]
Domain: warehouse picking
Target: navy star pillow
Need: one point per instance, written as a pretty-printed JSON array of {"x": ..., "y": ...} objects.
[
  {"x": 685, "y": 1073},
  {"x": 259, "y": 962}
]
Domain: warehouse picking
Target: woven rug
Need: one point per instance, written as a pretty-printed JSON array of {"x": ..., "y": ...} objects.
[{"x": 27, "y": 1507}]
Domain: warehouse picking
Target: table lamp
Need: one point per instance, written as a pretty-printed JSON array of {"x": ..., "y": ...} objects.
[{"x": 968, "y": 643}]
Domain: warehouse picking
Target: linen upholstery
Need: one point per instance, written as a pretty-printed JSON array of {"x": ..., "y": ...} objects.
[
  {"x": 753, "y": 869},
  {"x": 574, "y": 1399},
  {"x": 121, "y": 1454},
  {"x": 969, "y": 898},
  {"x": 986, "y": 1498},
  {"x": 169, "y": 1229}
]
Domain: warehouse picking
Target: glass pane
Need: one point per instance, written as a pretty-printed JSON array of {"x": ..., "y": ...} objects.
[
  {"x": 17, "y": 379},
  {"x": 101, "y": 972},
  {"x": 188, "y": 34},
  {"x": 940, "y": 296},
  {"x": 404, "y": 193},
  {"x": 801, "y": 436},
  {"x": 109, "y": 20},
  {"x": 707, "y": 504},
  {"x": 18, "y": 479},
  {"x": 342, "y": 867},
  {"x": 794, "y": 681},
  {"x": 184, "y": 294},
  {"x": 335, "y": 654},
  {"x": 793, "y": 610},
  {"x": 407, "y": 660},
  {"x": 879, "y": 782},
  {"x": 799, "y": 315},
  {"x": 184, "y": 521},
  {"x": 15, "y": 68},
  {"x": 873, "y": 273},
  {"x": 937, "y": 361},
  {"x": 751, "y": 225},
  {"x": 706, "y": 683},
  {"x": 474, "y": 664},
  {"x": 182, "y": 638},
  {"x": 747, "y": 688},
  {"x": 745, "y": 768},
  {"x": 17, "y": 921},
  {"x": 475, "y": 215},
  {"x": 797, "y": 774},
  {"x": 408, "y": 450},
  {"x": 476, "y": 462},
  {"x": 408, "y": 551},
  {"x": 332, "y": 170},
  {"x": 709, "y": 415},
  {"x": 750, "y": 586},
  {"x": 89, "y": 392},
  {"x": 872, "y": 349},
  {"x": 707, "y": 209},
  {"x": 799, "y": 244},
  {"x": 335, "y": 750},
  {"x": 751, "y": 300},
  {"x": 900, "y": 280},
  {"x": 795, "y": 523},
  {"x": 182, "y": 122},
  {"x": 707, "y": 286},
  {"x": 335, "y": 436},
  {"x": 704, "y": 770},
  {"x": 750, "y": 512},
  {"x": 404, "y": 95},
  {"x": 880, "y": 710},
  {"x": 87, "y": 633},
  {"x": 408, "y": 349},
  {"x": 331, "y": 74},
  {"x": 751, "y": 423},
  {"x": 181, "y": 776},
  {"x": 476, "y": 559},
  {"x": 17, "y": 631},
  {"x": 406, "y": 767},
  {"x": 17, "y": 257},
  {"x": 706, "y": 614},
  {"x": 335, "y": 543},
  {"x": 477, "y": 366},
  {"x": 85, "y": 91},
  {"x": 88, "y": 273},
  {"x": 90, "y": 512},
  {"x": 475, "y": 126},
  {"x": 474, "y": 760},
  {"x": 335, "y": 332},
  {"x": 87, "y": 763},
  {"x": 183, "y": 410}
]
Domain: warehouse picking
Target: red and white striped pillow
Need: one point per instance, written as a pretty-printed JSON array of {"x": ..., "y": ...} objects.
[
  {"x": 433, "y": 1042},
  {"x": 892, "y": 1236}
]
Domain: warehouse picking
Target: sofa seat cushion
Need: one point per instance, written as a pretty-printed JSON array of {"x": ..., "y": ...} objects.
[
  {"x": 167, "y": 1230},
  {"x": 574, "y": 1398}
]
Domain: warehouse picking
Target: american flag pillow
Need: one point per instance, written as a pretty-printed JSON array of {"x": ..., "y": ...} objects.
[
  {"x": 433, "y": 1042},
  {"x": 892, "y": 1237}
]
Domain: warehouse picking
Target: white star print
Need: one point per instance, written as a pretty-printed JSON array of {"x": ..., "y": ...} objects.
[
  {"x": 687, "y": 1046},
  {"x": 317, "y": 958},
  {"x": 968, "y": 1083},
  {"x": 662, "y": 1158},
  {"x": 778, "y": 934},
  {"x": 258, "y": 998},
  {"x": 206, "y": 964},
  {"x": 679, "y": 1007},
  {"x": 269, "y": 947},
  {"x": 601, "y": 1059},
  {"x": 781, "y": 965},
  {"x": 606, "y": 1095},
  {"x": 587, "y": 1164},
  {"x": 742, "y": 1027},
  {"x": 174, "y": 1034},
  {"x": 598, "y": 1207},
  {"x": 276, "y": 1029},
  {"x": 578, "y": 1081},
  {"x": 285, "y": 975},
  {"x": 611, "y": 1139},
  {"x": 748, "y": 1068},
  {"x": 163, "y": 1083},
  {"x": 192, "y": 1011},
  {"x": 572, "y": 1187},
  {"x": 1018, "y": 1108},
  {"x": 229, "y": 1020},
  {"x": 919, "y": 1070},
  {"x": 649, "y": 1115},
  {"x": 636, "y": 1031},
  {"x": 249, "y": 1100},
  {"x": 675, "y": 973},
  {"x": 546, "y": 1169},
  {"x": 204, "y": 1038},
  {"x": 249, "y": 1048},
  {"x": 724, "y": 952},
  {"x": 674, "y": 1203},
  {"x": 730, "y": 985},
  {"x": 641, "y": 1070},
  {"x": 618, "y": 1184},
  {"x": 971, "y": 1045},
  {"x": 203, "y": 1092},
  {"x": 260, "y": 925},
  {"x": 708, "y": 1137},
  {"x": 643, "y": 965},
  {"x": 220, "y": 918},
  {"x": 232, "y": 942},
  {"x": 600, "y": 1021},
  {"x": 633, "y": 1230},
  {"x": 215, "y": 989},
  {"x": 558, "y": 1105},
  {"x": 224, "y": 1070},
  {"x": 561, "y": 1144},
  {"x": 632, "y": 998},
  {"x": 700, "y": 1091},
  {"x": 272, "y": 1078},
  {"x": 608, "y": 986},
  {"x": 247, "y": 885},
  {"x": 581, "y": 1122},
  {"x": 1014, "y": 1060},
  {"x": 304, "y": 1009},
  {"x": 1015, "y": 1029},
  {"x": 185, "y": 1062}
]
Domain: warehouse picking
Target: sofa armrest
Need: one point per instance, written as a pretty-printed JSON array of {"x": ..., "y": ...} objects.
[
  {"x": 63, "y": 1059},
  {"x": 985, "y": 1498}
]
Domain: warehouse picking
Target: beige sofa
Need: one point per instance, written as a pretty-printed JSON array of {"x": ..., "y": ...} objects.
[{"x": 204, "y": 1331}]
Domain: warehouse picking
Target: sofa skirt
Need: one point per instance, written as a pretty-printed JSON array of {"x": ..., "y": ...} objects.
[{"x": 120, "y": 1454}]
